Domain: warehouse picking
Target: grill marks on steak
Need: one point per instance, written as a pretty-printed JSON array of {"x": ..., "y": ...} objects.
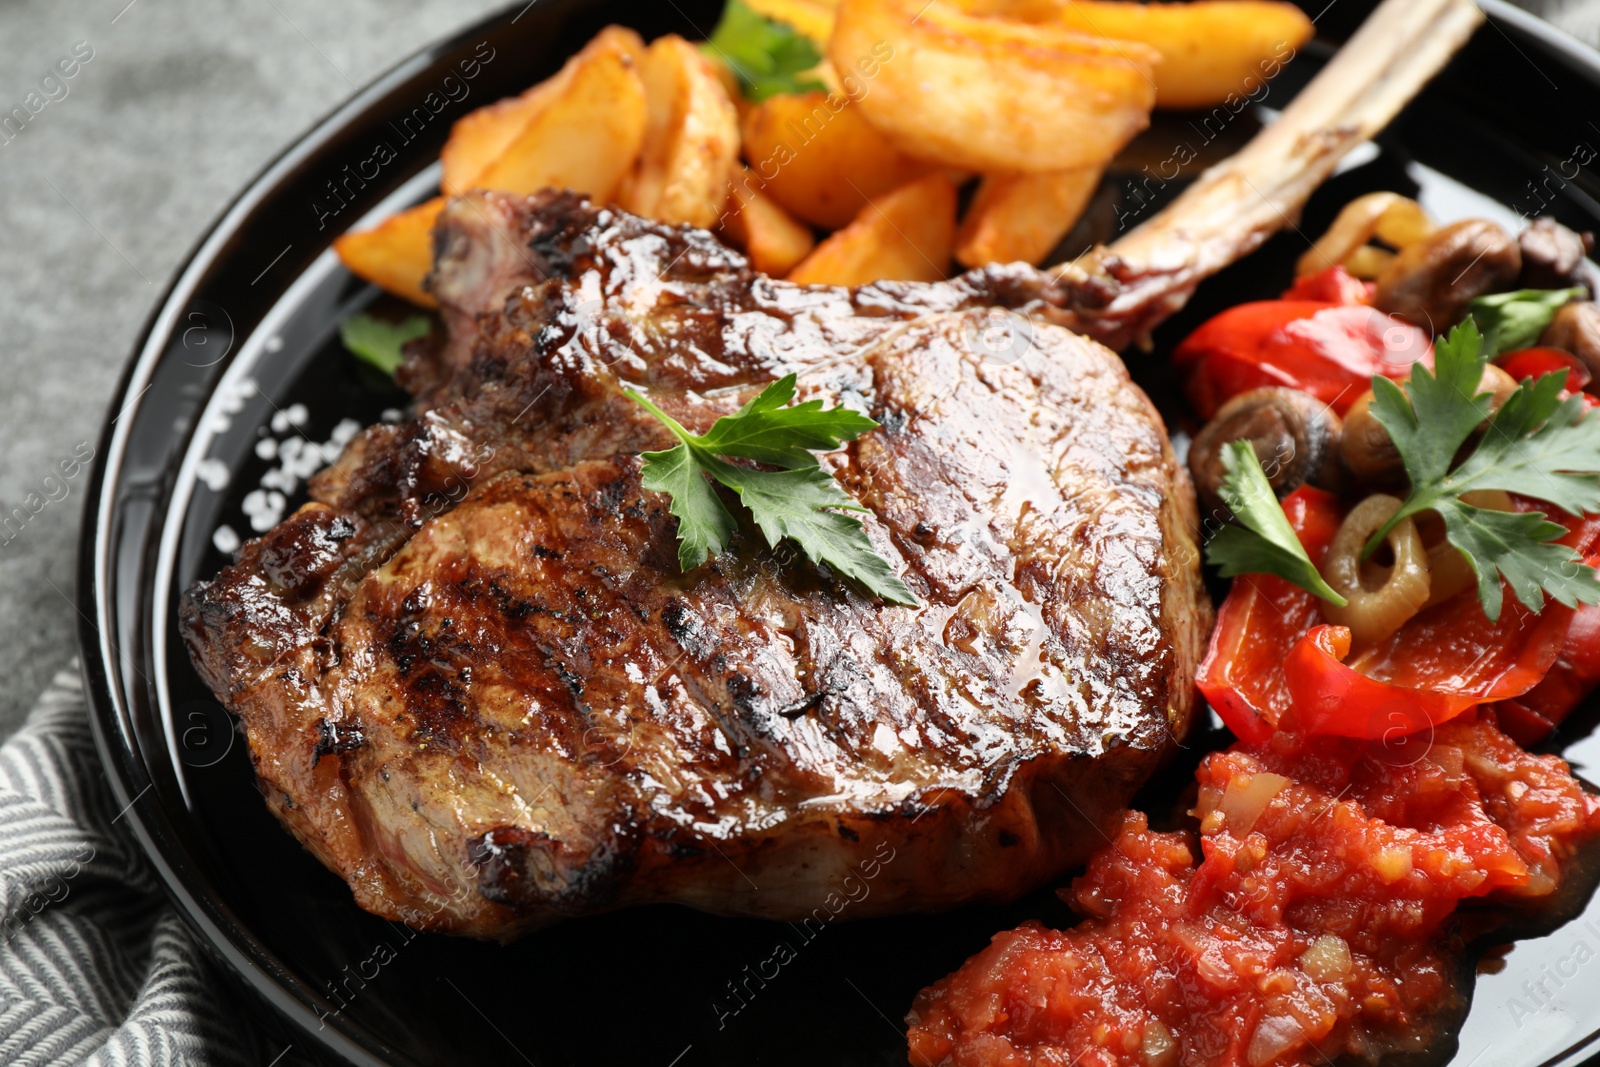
[{"x": 477, "y": 686}]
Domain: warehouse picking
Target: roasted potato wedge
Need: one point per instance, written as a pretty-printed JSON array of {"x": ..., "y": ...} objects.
[
  {"x": 586, "y": 139},
  {"x": 820, "y": 159},
  {"x": 1023, "y": 216},
  {"x": 730, "y": 82},
  {"x": 994, "y": 94},
  {"x": 904, "y": 236},
  {"x": 691, "y": 143},
  {"x": 480, "y": 137},
  {"x": 397, "y": 254},
  {"x": 769, "y": 235},
  {"x": 1025, "y": 10},
  {"x": 1210, "y": 49}
]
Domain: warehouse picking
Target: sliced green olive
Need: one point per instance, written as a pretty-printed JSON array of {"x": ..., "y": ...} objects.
[{"x": 1381, "y": 598}]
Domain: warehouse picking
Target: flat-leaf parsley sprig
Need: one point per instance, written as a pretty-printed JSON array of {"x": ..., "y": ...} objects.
[
  {"x": 380, "y": 343},
  {"x": 1537, "y": 445},
  {"x": 1514, "y": 320},
  {"x": 768, "y": 57},
  {"x": 801, "y": 501},
  {"x": 1263, "y": 542}
]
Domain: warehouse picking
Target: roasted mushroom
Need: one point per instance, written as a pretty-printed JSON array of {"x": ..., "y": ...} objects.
[
  {"x": 1365, "y": 448},
  {"x": 1576, "y": 329},
  {"x": 1296, "y": 438},
  {"x": 1553, "y": 256},
  {"x": 1431, "y": 282},
  {"x": 1369, "y": 455}
]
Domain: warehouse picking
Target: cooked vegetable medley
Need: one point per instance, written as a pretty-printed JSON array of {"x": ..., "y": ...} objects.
[{"x": 1411, "y": 530}]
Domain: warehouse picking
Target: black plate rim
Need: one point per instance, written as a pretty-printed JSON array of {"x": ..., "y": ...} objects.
[{"x": 220, "y": 931}]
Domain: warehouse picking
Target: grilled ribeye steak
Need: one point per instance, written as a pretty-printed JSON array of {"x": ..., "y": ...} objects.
[{"x": 478, "y": 687}]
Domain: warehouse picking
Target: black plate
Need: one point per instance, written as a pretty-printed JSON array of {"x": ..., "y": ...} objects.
[{"x": 243, "y": 350}]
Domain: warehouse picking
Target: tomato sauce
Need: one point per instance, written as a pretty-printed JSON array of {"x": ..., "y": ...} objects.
[{"x": 1310, "y": 918}]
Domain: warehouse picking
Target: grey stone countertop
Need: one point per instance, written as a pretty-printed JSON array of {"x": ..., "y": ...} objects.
[{"x": 173, "y": 107}]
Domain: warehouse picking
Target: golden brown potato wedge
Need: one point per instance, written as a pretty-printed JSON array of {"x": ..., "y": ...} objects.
[
  {"x": 586, "y": 139},
  {"x": 769, "y": 235},
  {"x": 820, "y": 159},
  {"x": 904, "y": 236},
  {"x": 729, "y": 80},
  {"x": 1210, "y": 49},
  {"x": 691, "y": 143},
  {"x": 481, "y": 136},
  {"x": 1023, "y": 216},
  {"x": 994, "y": 94},
  {"x": 1026, "y": 10},
  {"x": 397, "y": 254}
]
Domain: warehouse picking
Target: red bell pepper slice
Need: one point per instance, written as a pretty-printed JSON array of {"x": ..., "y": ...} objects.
[
  {"x": 1530, "y": 718},
  {"x": 1444, "y": 661},
  {"x": 1537, "y": 362},
  {"x": 1328, "y": 350},
  {"x": 1333, "y": 286},
  {"x": 1259, "y": 622},
  {"x": 1333, "y": 698}
]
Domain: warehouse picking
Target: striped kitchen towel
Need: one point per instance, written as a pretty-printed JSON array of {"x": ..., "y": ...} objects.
[{"x": 95, "y": 965}]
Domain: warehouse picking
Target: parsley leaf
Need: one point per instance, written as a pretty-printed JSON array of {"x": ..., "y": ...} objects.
[
  {"x": 1518, "y": 546},
  {"x": 768, "y": 432},
  {"x": 1516, "y": 319},
  {"x": 1444, "y": 409},
  {"x": 375, "y": 341},
  {"x": 801, "y": 502},
  {"x": 1264, "y": 542},
  {"x": 795, "y": 503},
  {"x": 704, "y": 526},
  {"x": 1537, "y": 445},
  {"x": 766, "y": 56}
]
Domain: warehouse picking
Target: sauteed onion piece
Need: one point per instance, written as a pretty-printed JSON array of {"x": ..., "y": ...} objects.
[{"x": 1390, "y": 217}]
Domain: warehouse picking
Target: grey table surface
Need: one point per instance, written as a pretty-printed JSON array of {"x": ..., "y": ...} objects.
[{"x": 179, "y": 104}]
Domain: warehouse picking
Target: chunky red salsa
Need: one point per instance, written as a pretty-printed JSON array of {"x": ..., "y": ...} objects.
[{"x": 1312, "y": 923}]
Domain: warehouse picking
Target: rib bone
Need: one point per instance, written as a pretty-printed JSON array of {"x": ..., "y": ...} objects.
[{"x": 1118, "y": 294}]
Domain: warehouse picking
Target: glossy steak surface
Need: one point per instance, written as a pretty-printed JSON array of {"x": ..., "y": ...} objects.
[{"x": 477, "y": 685}]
